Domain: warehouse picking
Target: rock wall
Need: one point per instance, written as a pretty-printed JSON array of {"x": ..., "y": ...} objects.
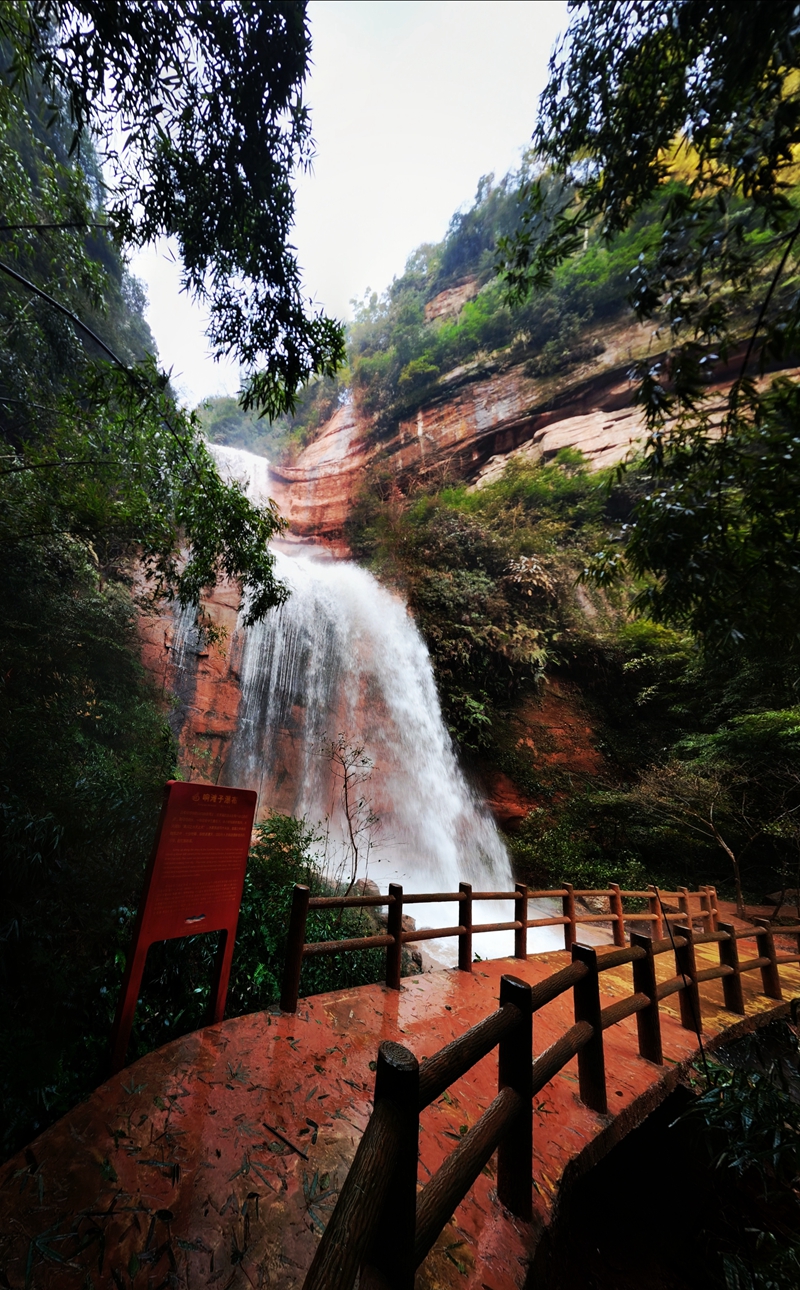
[
  {"x": 475, "y": 418},
  {"x": 201, "y": 680},
  {"x": 470, "y": 422}
]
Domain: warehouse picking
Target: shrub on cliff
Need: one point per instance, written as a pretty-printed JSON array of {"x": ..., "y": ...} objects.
[{"x": 487, "y": 575}]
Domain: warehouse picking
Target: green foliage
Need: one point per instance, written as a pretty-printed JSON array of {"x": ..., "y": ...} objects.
[
  {"x": 729, "y": 554},
  {"x": 489, "y": 575},
  {"x": 546, "y": 505},
  {"x": 485, "y": 614},
  {"x": 749, "y": 1115},
  {"x": 95, "y": 449},
  {"x": 584, "y": 841},
  {"x": 396, "y": 357},
  {"x": 224, "y": 420},
  {"x": 84, "y": 751},
  {"x": 693, "y": 106},
  {"x": 214, "y": 126}
]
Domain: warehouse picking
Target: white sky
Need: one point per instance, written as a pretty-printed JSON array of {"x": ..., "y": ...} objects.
[{"x": 411, "y": 102}]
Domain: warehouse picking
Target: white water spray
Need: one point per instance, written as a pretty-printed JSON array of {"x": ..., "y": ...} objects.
[{"x": 344, "y": 657}]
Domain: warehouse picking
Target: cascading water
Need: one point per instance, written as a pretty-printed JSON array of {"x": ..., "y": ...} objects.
[
  {"x": 343, "y": 661},
  {"x": 343, "y": 657}
]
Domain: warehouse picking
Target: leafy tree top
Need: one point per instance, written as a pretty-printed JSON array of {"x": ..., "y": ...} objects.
[{"x": 196, "y": 110}]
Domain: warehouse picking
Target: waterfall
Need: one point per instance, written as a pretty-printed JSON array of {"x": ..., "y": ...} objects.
[
  {"x": 245, "y": 468},
  {"x": 343, "y": 658}
]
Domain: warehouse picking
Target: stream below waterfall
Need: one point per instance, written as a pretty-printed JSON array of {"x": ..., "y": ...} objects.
[{"x": 340, "y": 674}]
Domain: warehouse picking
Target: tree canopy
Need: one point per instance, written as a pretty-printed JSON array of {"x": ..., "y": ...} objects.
[
  {"x": 119, "y": 123},
  {"x": 197, "y": 113},
  {"x": 698, "y": 101}
]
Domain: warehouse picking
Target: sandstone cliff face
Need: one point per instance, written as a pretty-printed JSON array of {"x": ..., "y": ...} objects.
[
  {"x": 476, "y": 418},
  {"x": 449, "y": 303},
  {"x": 467, "y": 426},
  {"x": 202, "y": 680}
]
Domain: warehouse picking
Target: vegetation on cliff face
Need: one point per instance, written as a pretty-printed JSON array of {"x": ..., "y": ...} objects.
[
  {"x": 695, "y": 227},
  {"x": 396, "y": 357},
  {"x": 711, "y": 87},
  {"x": 487, "y": 575}
]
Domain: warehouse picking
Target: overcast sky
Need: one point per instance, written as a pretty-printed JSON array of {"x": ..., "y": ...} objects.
[{"x": 411, "y": 102}]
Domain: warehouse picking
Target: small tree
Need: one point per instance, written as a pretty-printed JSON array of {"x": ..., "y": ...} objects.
[
  {"x": 729, "y": 804},
  {"x": 351, "y": 769},
  {"x": 703, "y": 801}
]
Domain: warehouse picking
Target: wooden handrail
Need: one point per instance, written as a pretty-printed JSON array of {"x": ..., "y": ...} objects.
[
  {"x": 349, "y": 902},
  {"x": 554, "y": 1058},
  {"x": 617, "y": 958},
  {"x": 571, "y": 919},
  {"x": 459, "y": 1056},
  {"x": 557, "y": 984},
  {"x": 383, "y": 1226},
  {"x": 450, "y": 1184},
  {"x": 355, "y": 943}
]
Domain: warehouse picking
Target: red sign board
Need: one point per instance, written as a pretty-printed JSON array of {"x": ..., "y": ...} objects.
[{"x": 193, "y": 884}]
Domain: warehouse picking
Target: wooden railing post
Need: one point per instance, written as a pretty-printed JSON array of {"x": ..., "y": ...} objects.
[
  {"x": 591, "y": 1062},
  {"x": 465, "y": 921},
  {"x": 683, "y": 904},
  {"x": 654, "y": 904},
  {"x": 732, "y": 983},
  {"x": 394, "y": 927},
  {"x": 705, "y": 909},
  {"x": 392, "y": 1249},
  {"x": 568, "y": 903},
  {"x": 685, "y": 966},
  {"x": 298, "y": 917},
  {"x": 369, "y": 1195},
  {"x": 714, "y": 909},
  {"x": 648, "y": 1022},
  {"x": 770, "y": 977},
  {"x": 515, "y": 1066},
  {"x": 618, "y": 921},
  {"x": 521, "y": 916}
]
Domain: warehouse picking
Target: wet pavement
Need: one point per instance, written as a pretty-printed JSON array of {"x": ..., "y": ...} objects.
[{"x": 217, "y": 1160}]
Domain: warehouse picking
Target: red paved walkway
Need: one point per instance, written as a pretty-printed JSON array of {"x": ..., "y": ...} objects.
[{"x": 216, "y": 1160}]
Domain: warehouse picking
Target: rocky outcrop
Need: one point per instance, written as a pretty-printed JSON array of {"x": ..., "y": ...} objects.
[
  {"x": 469, "y": 424},
  {"x": 202, "y": 679},
  {"x": 554, "y": 735},
  {"x": 466, "y": 426},
  {"x": 316, "y": 492},
  {"x": 450, "y": 302}
]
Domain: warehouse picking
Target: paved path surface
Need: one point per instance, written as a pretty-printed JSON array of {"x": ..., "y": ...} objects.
[{"x": 216, "y": 1161}]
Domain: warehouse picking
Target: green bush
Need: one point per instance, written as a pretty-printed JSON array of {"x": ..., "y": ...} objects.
[
  {"x": 749, "y": 1115},
  {"x": 583, "y": 841}
]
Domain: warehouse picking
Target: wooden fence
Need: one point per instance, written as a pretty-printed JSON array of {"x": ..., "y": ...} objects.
[
  {"x": 571, "y": 918},
  {"x": 381, "y": 1226}
]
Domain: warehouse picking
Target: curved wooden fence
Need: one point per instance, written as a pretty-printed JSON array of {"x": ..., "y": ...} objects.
[
  {"x": 382, "y": 1227},
  {"x": 571, "y": 918}
]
